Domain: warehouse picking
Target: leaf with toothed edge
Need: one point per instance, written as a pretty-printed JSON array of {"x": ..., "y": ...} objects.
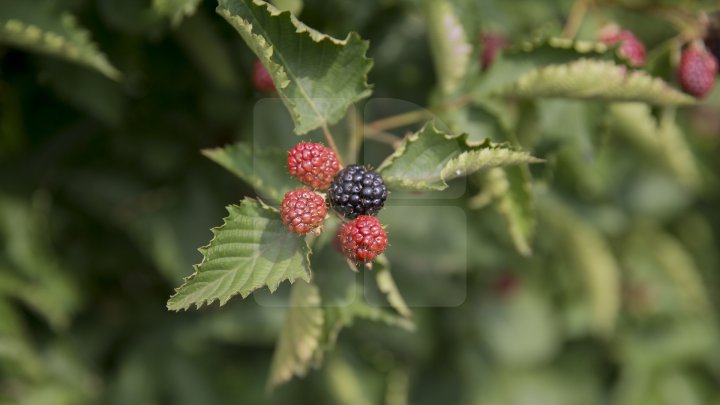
[
  {"x": 251, "y": 250},
  {"x": 265, "y": 169},
  {"x": 429, "y": 158},
  {"x": 317, "y": 77},
  {"x": 175, "y": 9},
  {"x": 589, "y": 79},
  {"x": 448, "y": 41},
  {"x": 32, "y": 25},
  {"x": 299, "y": 338}
]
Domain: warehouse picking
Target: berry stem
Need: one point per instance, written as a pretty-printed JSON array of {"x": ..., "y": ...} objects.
[
  {"x": 355, "y": 126},
  {"x": 331, "y": 142}
]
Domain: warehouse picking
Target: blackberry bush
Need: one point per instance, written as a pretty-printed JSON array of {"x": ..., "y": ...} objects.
[{"x": 556, "y": 196}]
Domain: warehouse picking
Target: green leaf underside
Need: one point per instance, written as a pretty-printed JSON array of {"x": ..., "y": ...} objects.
[
  {"x": 264, "y": 169},
  {"x": 317, "y": 314},
  {"x": 299, "y": 338},
  {"x": 526, "y": 56},
  {"x": 588, "y": 252},
  {"x": 429, "y": 158},
  {"x": 31, "y": 25},
  {"x": 595, "y": 80},
  {"x": 448, "y": 41},
  {"x": 663, "y": 141},
  {"x": 318, "y": 77},
  {"x": 250, "y": 250},
  {"x": 175, "y": 10},
  {"x": 511, "y": 193}
]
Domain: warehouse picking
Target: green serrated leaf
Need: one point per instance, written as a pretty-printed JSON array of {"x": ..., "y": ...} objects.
[
  {"x": 299, "y": 338},
  {"x": 33, "y": 26},
  {"x": 386, "y": 284},
  {"x": 589, "y": 79},
  {"x": 429, "y": 158},
  {"x": 250, "y": 250},
  {"x": 29, "y": 270},
  {"x": 448, "y": 41},
  {"x": 663, "y": 141},
  {"x": 15, "y": 345},
  {"x": 522, "y": 58},
  {"x": 510, "y": 191},
  {"x": 293, "y": 6},
  {"x": 588, "y": 252},
  {"x": 318, "y": 77},
  {"x": 175, "y": 10},
  {"x": 264, "y": 169}
]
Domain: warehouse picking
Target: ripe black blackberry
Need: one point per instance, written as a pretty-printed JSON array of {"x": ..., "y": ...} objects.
[{"x": 357, "y": 190}]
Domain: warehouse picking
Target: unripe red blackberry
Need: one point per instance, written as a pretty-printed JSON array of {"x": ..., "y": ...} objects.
[
  {"x": 313, "y": 164},
  {"x": 697, "y": 70},
  {"x": 631, "y": 48},
  {"x": 492, "y": 44},
  {"x": 261, "y": 79},
  {"x": 303, "y": 210},
  {"x": 363, "y": 239}
]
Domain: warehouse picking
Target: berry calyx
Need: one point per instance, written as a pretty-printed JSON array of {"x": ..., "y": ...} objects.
[
  {"x": 363, "y": 239},
  {"x": 313, "y": 164},
  {"x": 631, "y": 48},
  {"x": 261, "y": 79},
  {"x": 303, "y": 210},
  {"x": 697, "y": 70},
  {"x": 357, "y": 190},
  {"x": 492, "y": 44}
]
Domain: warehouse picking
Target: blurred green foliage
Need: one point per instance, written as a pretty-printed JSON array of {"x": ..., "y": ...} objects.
[{"x": 105, "y": 196}]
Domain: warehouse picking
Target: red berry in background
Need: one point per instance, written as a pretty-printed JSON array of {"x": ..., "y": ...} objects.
[
  {"x": 492, "y": 44},
  {"x": 313, "y": 164},
  {"x": 505, "y": 284},
  {"x": 363, "y": 239},
  {"x": 262, "y": 81},
  {"x": 697, "y": 70},
  {"x": 631, "y": 48},
  {"x": 303, "y": 210}
]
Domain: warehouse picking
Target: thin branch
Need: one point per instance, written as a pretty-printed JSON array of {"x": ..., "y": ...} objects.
[
  {"x": 400, "y": 120},
  {"x": 382, "y": 137},
  {"x": 331, "y": 142},
  {"x": 355, "y": 126},
  {"x": 412, "y": 117},
  {"x": 577, "y": 13}
]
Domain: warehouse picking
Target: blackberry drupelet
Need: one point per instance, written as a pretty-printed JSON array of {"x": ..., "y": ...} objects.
[{"x": 357, "y": 190}]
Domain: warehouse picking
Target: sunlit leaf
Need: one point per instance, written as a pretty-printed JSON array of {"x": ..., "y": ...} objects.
[
  {"x": 175, "y": 10},
  {"x": 317, "y": 76},
  {"x": 265, "y": 169},
  {"x": 300, "y": 335},
  {"x": 589, "y": 79},
  {"x": 449, "y": 44},
  {"x": 32, "y": 25},
  {"x": 429, "y": 158},
  {"x": 252, "y": 249}
]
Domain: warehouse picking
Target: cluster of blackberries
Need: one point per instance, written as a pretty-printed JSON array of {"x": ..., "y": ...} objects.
[{"x": 356, "y": 193}]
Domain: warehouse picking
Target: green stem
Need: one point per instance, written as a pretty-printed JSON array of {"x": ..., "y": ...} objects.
[
  {"x": 577, "y": 13},
  {"x": 331, "y": 143}
]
